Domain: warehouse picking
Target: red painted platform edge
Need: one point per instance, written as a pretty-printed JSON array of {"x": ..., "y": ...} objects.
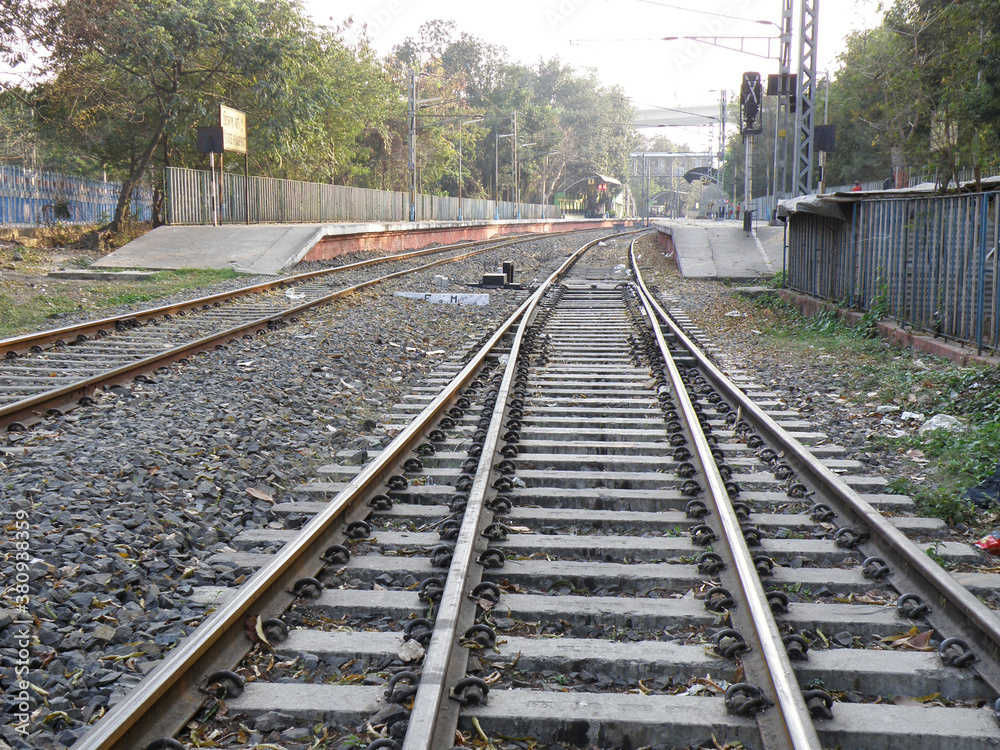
[
  {"x": 667, "y": 244},
  {"x": 415, "y": 239},
  {"x": 921, "y": 341}
]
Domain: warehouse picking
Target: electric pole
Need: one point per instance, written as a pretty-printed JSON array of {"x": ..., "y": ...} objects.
[{"x": 413, "y": 145}]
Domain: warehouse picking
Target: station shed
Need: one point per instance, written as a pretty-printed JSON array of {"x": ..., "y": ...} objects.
[{"x": 595, "y": 196}]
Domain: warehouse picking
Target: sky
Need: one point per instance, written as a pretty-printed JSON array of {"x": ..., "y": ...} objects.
[{"x": 622, "y": 39}]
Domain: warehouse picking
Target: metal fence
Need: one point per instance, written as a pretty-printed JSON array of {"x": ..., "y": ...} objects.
[
  {"x": 928, "y": 262},
  {"x": 31, "y": 198},
  {"x": 265, "y": 200}
]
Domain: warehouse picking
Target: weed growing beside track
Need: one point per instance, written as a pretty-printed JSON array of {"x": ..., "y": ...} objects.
[
  {"x": 858, "y": 388},
  {"x": 871, "y": 373},
  {"x": 29, "y": 303}
]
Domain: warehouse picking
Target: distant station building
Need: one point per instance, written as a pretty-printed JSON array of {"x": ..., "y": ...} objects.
[{"x": 593, "y": 196}]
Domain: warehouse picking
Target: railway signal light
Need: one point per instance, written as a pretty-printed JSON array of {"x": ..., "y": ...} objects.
[{"x": 750, "y": 101}]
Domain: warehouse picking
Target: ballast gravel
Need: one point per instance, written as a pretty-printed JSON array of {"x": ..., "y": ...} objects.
[
  {"x": 125, "y": 504},
  {"x": 114, "y": 512}
]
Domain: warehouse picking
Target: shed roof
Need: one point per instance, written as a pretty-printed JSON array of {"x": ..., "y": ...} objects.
[{"x": 832, "y": 204}]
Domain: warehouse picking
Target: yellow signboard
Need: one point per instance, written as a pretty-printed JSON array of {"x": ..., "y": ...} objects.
[{"x": 234, "y": 129}]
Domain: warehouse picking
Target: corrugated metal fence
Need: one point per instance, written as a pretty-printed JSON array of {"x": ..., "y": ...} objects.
[
  {"x": 32, "y": 198},
  {"x": 273, "y": 201},
  {"x": 928, "y": 262}
]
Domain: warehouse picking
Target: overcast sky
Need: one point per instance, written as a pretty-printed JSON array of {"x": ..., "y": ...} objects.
[{"x": 621, "y": 39}]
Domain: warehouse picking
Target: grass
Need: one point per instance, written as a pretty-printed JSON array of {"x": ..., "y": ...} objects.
[
  {"x": 25, "y": 308},
  {"x": 870, "y": 372}
]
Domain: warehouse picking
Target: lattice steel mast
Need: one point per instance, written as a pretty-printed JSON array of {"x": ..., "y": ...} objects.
[
  {"x": 805, "y": 95},
  {"x": 780, "y": 174}
]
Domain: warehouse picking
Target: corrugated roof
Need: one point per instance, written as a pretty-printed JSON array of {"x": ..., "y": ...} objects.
[
  {"x": 831, "y": 204},
  {"x": 606, "y": 179}
]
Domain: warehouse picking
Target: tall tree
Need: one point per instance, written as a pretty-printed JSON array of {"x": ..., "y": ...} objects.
[
  {"x": 983, "y": 95},
  {"x": 134, "y": 67},
  {"x": 902, "y": 95}
]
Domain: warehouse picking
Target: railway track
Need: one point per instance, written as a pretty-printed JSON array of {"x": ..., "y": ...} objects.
[
  {"x": 588, "y": 536},
  {"x": 47, "y": 373}
]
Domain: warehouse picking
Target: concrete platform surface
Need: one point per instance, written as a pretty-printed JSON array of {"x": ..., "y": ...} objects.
[
  {"x": 264, "y": 249},
  {"x": 273, "y": 248},
  {"x": 709, "y": 249}
]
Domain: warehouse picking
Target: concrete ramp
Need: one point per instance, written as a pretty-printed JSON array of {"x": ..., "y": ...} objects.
[
  {"x": 265, "y": 249},
  {"x": 709, "y": 249}
]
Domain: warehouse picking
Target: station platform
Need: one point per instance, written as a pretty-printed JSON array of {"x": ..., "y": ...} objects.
[
  {"x": 712, "y": 249},
  {"x": 271, "y": 249}
]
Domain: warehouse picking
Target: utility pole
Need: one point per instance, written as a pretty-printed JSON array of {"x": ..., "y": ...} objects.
[
  {"x": 496, "y": 214},
  {"x": 645, "y": 190},
  {"x": 517, "y": 182},
  {"x": 826, "y": 121},
  {"x": 781, "y": 111},
  {"x": 413, "y": 145},
  {"x": 414, "y": 103},
  {"x": 722, "y": 148},
  {"x": 461, "y": 128}
]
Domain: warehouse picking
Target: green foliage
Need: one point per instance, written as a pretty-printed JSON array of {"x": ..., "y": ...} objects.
[
  {"x": 13, "y": 317},
  {"x": 922, "y": 88},
  {"x": 126, "y": 82},
  {"x": 129, "y": 298},
  {"x": 944, "y": 503},
  {"x": 122, "y": 76},
  {"x": 934, "y": 553},
  {"x": 577, "y": 125},
  {"x": 867, "y": 327},
  {"x": 875, "y": 371},
  {"x": 824, "y": 322},
  {"x": 27, "y": 314}
]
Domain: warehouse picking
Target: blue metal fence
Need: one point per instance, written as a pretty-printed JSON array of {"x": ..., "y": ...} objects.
[
  {"x": 30, "y": 198},
  {"x": 929, "y": 261}
]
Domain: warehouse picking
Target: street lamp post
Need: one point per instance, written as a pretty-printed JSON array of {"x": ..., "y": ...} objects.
[
  {"x": 460, "y": 127},
  {"x": 517, "y": 180},
  {"x": 412, "y": 159},
  {"x": 515, "y": 185},
  {"x": 496, "y": 173}
]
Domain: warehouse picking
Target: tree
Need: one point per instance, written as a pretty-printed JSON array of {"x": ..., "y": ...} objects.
[
  {"x": 983, "y": 96},
  {"x": 125, "y": 71},
  {"x": 574, "y": 123},
  {"x": 17, "y": 19},
  {"x": 905, "y": 85}
]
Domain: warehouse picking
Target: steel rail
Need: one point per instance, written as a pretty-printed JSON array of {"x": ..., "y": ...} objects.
[
  {"x": 793, "y": 728},
  {"x": 26, "y": 341},
  {"x": 167, "y": 698},
  {"x": 432, "y": 723},
  {"x": 19, "y": 414},
  {"x": 966, "y": 615}
]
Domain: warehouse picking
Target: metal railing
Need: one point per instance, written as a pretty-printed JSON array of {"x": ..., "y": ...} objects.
[
  {"x": 30, "y": 198},
  {"x": 927, "y": 262},
  {"x": 266, "y": 200}
]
